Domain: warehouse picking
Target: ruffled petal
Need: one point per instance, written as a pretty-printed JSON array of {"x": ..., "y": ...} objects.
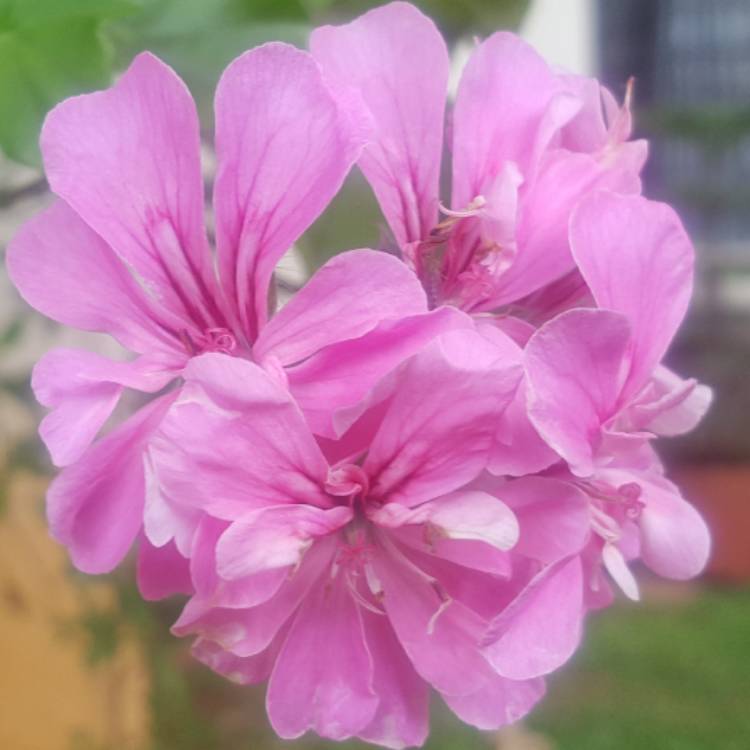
[
  {"x": 553, "y": 517},
  {"x": 439, "y": 634},
  {"x": 543, "y": 248},
  {"x": 274, "y": 537}
]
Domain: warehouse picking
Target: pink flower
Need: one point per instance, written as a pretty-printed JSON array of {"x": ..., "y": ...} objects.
[
  {"x": 596, "y": 386},
  {"x": 352, "y": 586},
  {"x": 124, "y": 251},
  {"x": 598, "y": 395},
  {"x": 527, "y": 145}
]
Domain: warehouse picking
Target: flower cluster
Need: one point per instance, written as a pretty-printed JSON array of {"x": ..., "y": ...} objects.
[{"x": 430, "y": 464}]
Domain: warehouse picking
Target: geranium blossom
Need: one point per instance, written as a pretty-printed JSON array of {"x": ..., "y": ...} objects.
[
  {"x": 598, "y": 395},
  {"x": 351, "y": 586},
  {"x": 414, "y": 475},
  {"x": 124, "y": 251},
  {"x": 527, "y": 144}
]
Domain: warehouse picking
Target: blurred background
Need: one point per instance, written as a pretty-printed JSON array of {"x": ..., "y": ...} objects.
[{"x": 88, "y": 666}]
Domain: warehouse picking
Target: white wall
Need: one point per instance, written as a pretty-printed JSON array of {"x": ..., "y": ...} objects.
[{"x": 564, "y": 33}]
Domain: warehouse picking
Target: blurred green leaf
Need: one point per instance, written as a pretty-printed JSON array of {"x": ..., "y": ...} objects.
[
  {"x": 454, "y": 19},
  {"x": 49, "y": 49},
  {"x": 198, "y": 38}
]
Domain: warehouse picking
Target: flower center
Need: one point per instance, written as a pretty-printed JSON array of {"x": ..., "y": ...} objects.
[
  {"x": 348, "y": 481},
  {"x": 457, "y": 264},
  {"x": 211, "y": 340},
  {"x": 611, "y": 506}
]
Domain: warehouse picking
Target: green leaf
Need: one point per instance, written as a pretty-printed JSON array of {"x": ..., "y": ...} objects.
[
  {"x": 49, "y": 50},
  {"x": 198, "y": 38}
]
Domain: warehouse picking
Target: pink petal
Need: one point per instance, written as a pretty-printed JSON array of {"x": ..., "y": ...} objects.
[
  {"x": 469, "y": 554},
  {"x": 638, "y": 261},
  {"x": 275, "y": 537},
  {"x": 66, "y": 271},
  {"x": 162, "y": 571},
  {"x": 483, "y": 593},
  {"x": 498, "y": 703},
  {"x": 617, "y": 567},
  {"x": 586, "y": 132},
  {"x": 518, "y": 448},
  {"x": 440, "y": 635},
  {"x": 675, "y": 541},
  {"x": 402, "y": 717},
  {"x": 544, "y": 253},
  {"x": 395, "y": 58},
  {"x": 553, "y": 517},
  {"x": 678, "y": 407},
  {"x": 349, "y": 296},
  {"x": 323, "y": 676},
  {"x": 165, "y": 518},
  {"x": 95, "y": 506},
  {"x": 508, "y": 105},
  {"x": 574, "y": 370},
  {"x": 127, "y": 160},
  {"x": 248, "y": 670},
  {"x": 342, "y": 375},
  {"x": 213, "y": 591},
  {"x": 83, "y": 389},
  {"x": 250, "y": 631},
  {"x": 284, "y": 145},
  {"x": 468, "y": 515},
  {"x": 541, "y": 628},
  {"x": 235, "y": 441},
  {"x": 439, "y": 427}
]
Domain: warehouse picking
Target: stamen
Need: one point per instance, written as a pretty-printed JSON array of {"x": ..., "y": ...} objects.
[
  {"x": 446, "y": 602},
  {"x": 475, "y": 206}
]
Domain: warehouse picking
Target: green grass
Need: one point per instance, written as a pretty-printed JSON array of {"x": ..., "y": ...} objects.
[
  {"x": 672, "y": 673},
  {"x": 667, "y": 676}
]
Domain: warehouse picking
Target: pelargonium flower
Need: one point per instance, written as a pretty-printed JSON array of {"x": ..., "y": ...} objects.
[
  {"x": 598, "y": 395},
  {"x": 351, "y": 585},
  {"x": 527, "y": 144},
  {"x": 124, "y": 251}
]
